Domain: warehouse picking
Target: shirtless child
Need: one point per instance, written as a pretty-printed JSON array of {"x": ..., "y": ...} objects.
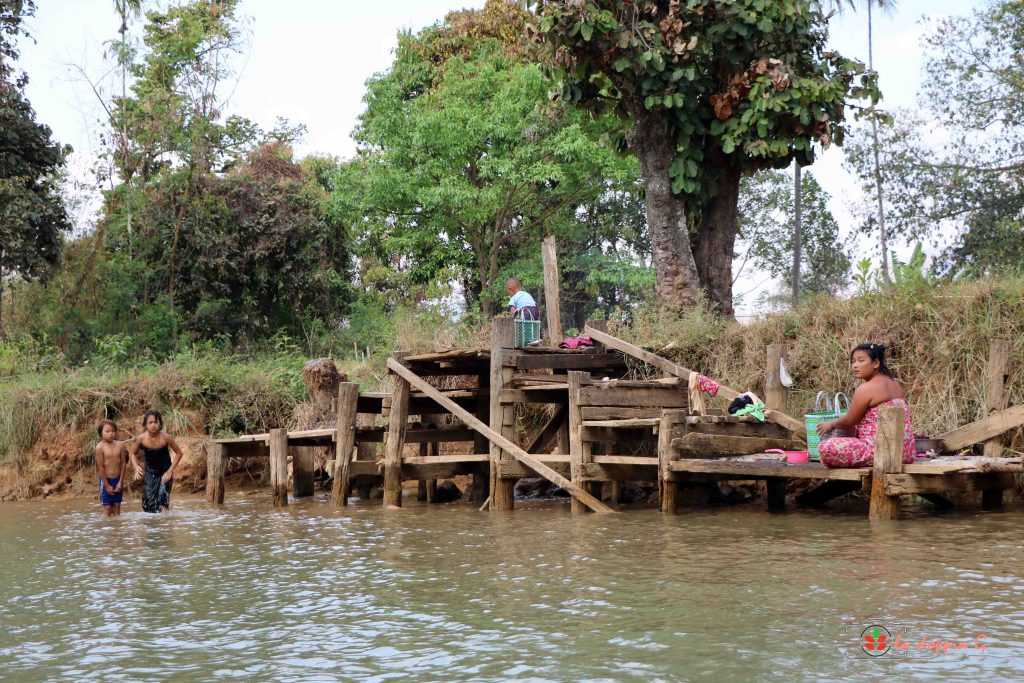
[{"x": 111, "y": 463}]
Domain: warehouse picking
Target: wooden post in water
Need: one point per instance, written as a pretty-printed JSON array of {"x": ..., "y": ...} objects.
[
  {"x": 302, "y": 471},
  {"x": 997, "y": 389},
  {"x": 502, "y": 416},
  {"x": 776, "y": 398},
  {"x": 216, "y": 463},
  {"x": 481, "y": 487},
  {"x": 345, "y": 439},
  {"x": 997, "y": 397},
  {"x": 279, "y": 466},
  {"x": 669, "y": 486},
  {"x": 888, "y": 460},
  {"x": 397, "y": 424},
  {"x": 578, "y": 448},
  {"x": 552, "y": 301}
]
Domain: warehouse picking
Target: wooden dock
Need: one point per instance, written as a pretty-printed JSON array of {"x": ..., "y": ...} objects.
[{"x": 603, "y": 431}]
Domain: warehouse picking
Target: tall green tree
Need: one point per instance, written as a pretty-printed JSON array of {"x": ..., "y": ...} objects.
[
  {"x": 463, "y": 160},
  {"x": 33, "y": 218},
  {"x": 884, "y": 6},
  {"x": 766, "y": 224},
  {"x": 960, "y": 157},
  {"x": 710, "y": 91}
]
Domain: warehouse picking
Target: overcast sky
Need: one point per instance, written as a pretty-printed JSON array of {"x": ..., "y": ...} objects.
[{"x": 308, "y": 60}]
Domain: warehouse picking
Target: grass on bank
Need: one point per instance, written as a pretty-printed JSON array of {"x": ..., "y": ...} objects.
[{"x": 938, "y": 339}]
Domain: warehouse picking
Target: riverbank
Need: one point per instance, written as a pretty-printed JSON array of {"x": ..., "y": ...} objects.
[{"x": 938, "y": 339}]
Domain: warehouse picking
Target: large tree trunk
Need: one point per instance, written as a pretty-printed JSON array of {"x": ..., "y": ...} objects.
[
  {"x": 676, "y": 283},
  {"x": 714, "y": 251}
]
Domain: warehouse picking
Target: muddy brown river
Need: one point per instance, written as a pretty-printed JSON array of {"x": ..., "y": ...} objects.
[{"x": 246, "y": 592}]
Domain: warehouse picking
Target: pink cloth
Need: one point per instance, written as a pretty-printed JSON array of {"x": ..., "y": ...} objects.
[
  {"x": 708, "y": 385},
  {"x": 859, "y": 451}
]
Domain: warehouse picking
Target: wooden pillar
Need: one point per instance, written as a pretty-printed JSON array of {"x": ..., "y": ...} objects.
[
  {"x": 302, "y": 471},
  {"x": 776, "y": 395},
  {"x": 344, "y": 441},
  {"x": 775, "y": 489},
  {"x": 279, "y": 466},
  {"x": 992, "y": 499},
  {"x": 888, "y": 460},
  {"x": 397, "y": 424},
  {"x": 502, "y": 417},
  {"x": 481, "y": 487},
  {"x": 669, "y": 486},
  {"x": 216, "y": 462},
  {"x": 579, "y": 450},
  {"x": 552, "y": 301},
  {"x": 997, "y": 390}
]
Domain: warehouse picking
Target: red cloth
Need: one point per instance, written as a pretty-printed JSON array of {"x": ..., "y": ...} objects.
[{"x": 707, "y": 385}]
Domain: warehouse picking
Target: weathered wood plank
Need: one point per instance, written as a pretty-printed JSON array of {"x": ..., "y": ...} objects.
[
  {"x": 552, "y": 290},
  {"x": 506, "y": 445},
  {"x": 446, "y": 434},
  {"x": 579, "y": 449},
  {"x": 997, "y": 389},
  {"x": 698, "y": 445},
  {"x": 982, "y": 430},
  {"x": 605, "y": 394},
  {"x": 624, "y": 424},
  {"x": 968, "y": 465},
  {"x": 344, "y": 445},
  {"x": 502, "y": 417},
  {"x": 888, "y": 460},
  {"x": 797, "y": 426},
  {"x": 513, "y": 469},
  {"x": 583, "y": 361},
  {"x": 903, "y": 484},
  {"x": 216, "y": 463},
  {"x": 770, "y": 468},
  {"x": 554, "y": 394},
  {"x": 279, "y": 466},
  {"x": 397, "y": 425},
  {"x": 631, "y": 460},
  {"x": 442, "y": 459},
  {"x": 302, "y": 471},
  {"x": 669, "y": 498},
  {"x": 618, "y": 413},
  {"x": 597, "y": 471}
]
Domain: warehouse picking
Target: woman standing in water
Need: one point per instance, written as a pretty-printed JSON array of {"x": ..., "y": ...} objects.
[
  {"x": 156, "y": 446},
  {"x": 879, "y": 388}
]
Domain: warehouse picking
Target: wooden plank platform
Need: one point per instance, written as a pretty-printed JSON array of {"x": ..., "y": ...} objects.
[{"x": 756, "y": 469}]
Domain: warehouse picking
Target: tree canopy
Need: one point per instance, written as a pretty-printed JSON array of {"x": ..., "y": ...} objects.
[
  {"x": 960, "y": 158},
  {"x": 33, "y": 219},
  {"x": 710, "y": 90}
]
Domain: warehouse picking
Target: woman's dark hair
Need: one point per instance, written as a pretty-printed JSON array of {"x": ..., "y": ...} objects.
[
  {"x": 875, "y": 352},
  {"x": 153, "y": 413},
  {"x": 104, "y": 423}
]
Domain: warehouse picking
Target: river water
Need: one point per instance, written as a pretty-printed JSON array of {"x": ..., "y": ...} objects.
[{"x": 446, "y": 593}]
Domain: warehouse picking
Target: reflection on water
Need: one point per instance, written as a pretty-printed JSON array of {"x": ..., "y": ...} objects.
[{"x": 448, "y": 593}]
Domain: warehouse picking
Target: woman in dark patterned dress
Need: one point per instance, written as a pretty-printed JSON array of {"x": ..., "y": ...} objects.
[{"x": 156, "y": 445}]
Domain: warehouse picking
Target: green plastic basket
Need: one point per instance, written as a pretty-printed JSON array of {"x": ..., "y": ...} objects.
[
  {"x": 526, "y": 332},
  {"x": 812, "y": 420}
]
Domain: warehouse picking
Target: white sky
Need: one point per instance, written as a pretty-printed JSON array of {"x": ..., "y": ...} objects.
[{"x": 308, "y": 61}]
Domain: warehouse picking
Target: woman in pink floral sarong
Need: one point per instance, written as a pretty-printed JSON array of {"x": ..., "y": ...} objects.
[{"x": 878, "y": 389}]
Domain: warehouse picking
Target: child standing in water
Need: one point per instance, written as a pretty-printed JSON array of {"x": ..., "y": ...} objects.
[
  {"x": 156, "y": 445},
  {"x": 111, "y": 462}
]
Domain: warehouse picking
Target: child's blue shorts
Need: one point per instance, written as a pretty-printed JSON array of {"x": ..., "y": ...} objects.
[{"x": 107, "y": 498}]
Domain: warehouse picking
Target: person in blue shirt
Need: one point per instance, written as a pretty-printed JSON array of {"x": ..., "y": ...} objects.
[{"x": 520, "y": 304}]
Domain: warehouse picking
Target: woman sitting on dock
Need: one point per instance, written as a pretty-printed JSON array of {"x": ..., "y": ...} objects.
[{"x": 878, "y": 389}]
